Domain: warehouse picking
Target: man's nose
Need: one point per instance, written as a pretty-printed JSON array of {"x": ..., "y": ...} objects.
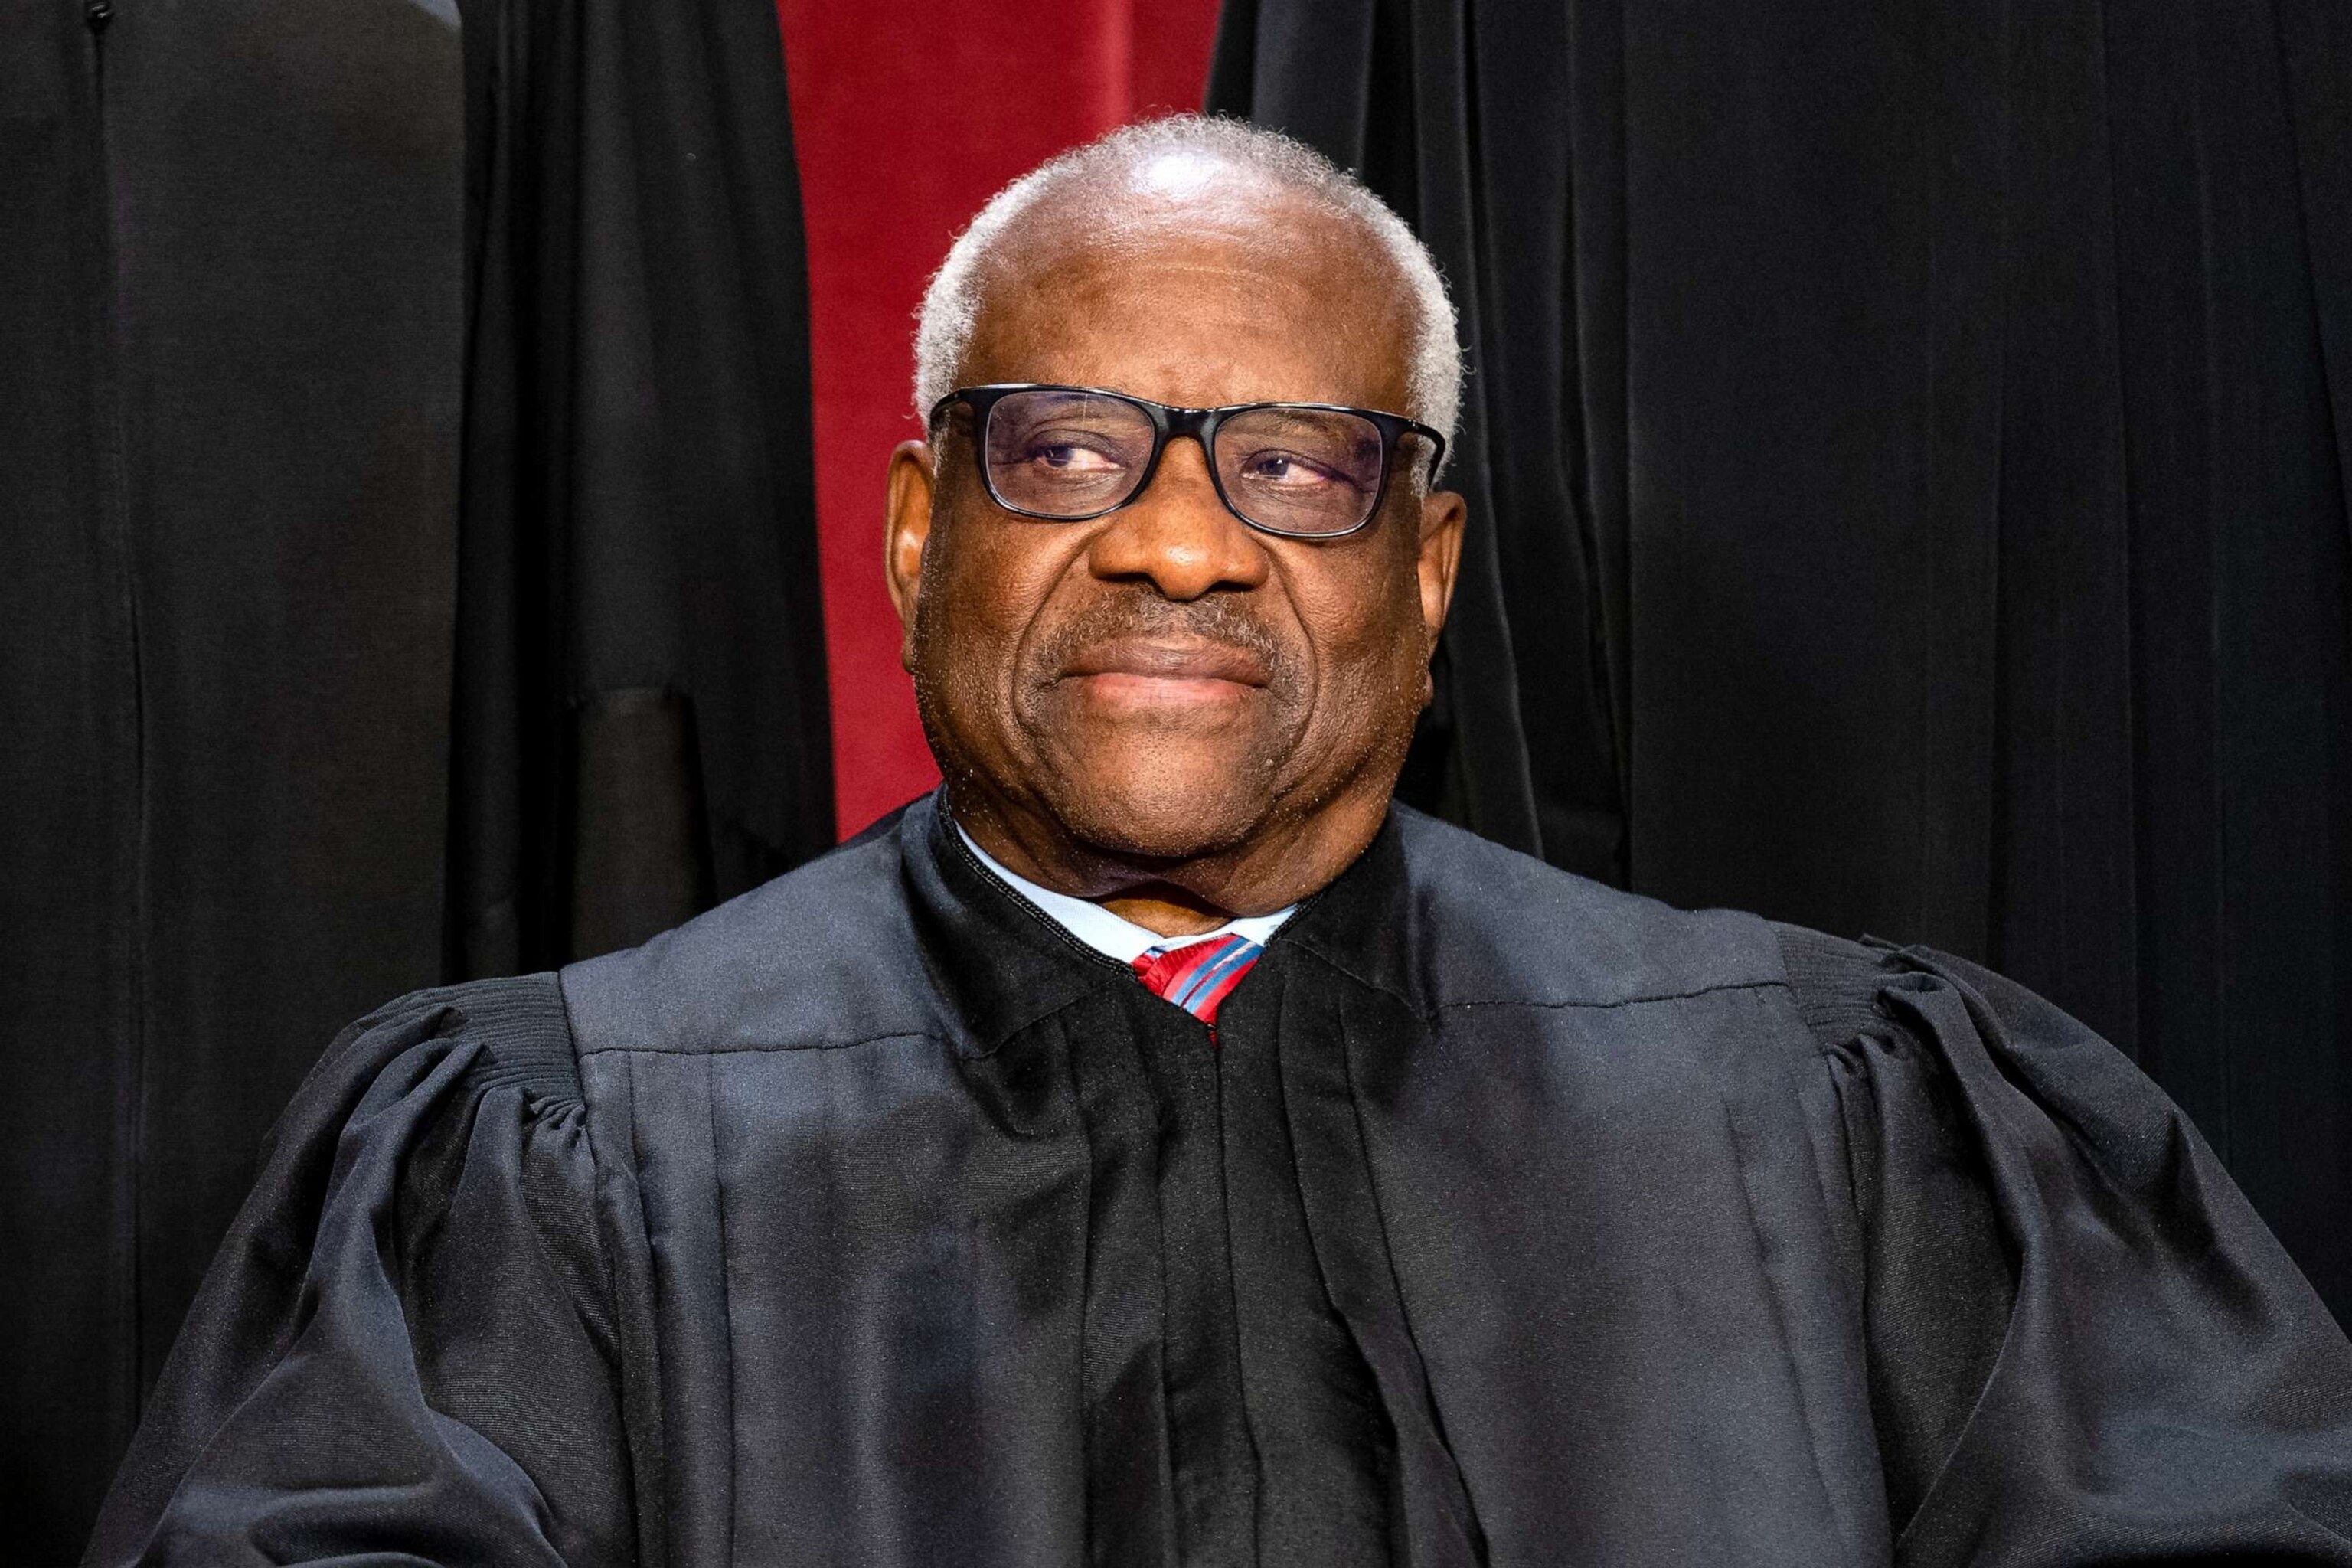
[{"x": 1178, "y": 536}]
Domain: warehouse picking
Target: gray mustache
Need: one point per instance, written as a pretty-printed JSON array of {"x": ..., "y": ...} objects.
[{"x": 1213, "y": 619}]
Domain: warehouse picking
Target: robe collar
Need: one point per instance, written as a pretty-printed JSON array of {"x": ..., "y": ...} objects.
[
  {"x": 1006, "y": 964},
  {"x": 1111, "y": 934}
]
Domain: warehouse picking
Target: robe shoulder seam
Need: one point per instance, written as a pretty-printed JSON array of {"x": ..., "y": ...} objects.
[
  {"x": 1773, "y": 984},
  {"x": 522, "y": 1028},
  {"x": 1838, "y": 986},
  {"x": 761, "y": 1049},
  {"x": 1762, "y": 982}
]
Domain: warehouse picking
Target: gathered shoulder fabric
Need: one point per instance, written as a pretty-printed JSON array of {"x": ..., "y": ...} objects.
[
  {"x": 407, "y": 1341},
  {"x": 2080, "y": 1332}
]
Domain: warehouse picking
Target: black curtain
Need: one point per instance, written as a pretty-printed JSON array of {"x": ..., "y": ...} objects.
[
  {"x": 1905, "y": 447},
  {"x": 641, "y": 721},
  {"x": 231, "y": 314},
  {"x": 406, "y": 571}
]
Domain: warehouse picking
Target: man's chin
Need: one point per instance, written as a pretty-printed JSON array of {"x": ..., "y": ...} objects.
[{"x": 1155, "y": 812}]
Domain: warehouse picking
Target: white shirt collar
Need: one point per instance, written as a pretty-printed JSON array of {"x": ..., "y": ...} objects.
[{"x": 1107, "y": 933}]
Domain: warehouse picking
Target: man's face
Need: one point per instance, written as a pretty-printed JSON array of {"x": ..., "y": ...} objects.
[{"x": 1165, "y": 682}]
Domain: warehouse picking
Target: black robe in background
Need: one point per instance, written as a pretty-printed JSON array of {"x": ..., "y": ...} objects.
[
  {"x": 376, "y": 609},
  {"x": 639, "y": 726},
  {"x": 873, "y": 1219},
  {"x": 232, "y": 329}
]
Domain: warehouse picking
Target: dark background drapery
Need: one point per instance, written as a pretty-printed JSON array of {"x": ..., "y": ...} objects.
[
  {"x": 407, "y": 572},
  {"x": 231, "y": 319},
  {"x": 1906, "y": 451},
  {"x": 639, "y": 725}
]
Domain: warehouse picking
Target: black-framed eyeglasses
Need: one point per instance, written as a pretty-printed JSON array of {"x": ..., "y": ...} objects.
[{"x": 1069, "y": 454}]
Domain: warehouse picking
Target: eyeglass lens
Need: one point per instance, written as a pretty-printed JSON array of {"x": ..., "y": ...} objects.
[{"x": 1076, "y": 454}]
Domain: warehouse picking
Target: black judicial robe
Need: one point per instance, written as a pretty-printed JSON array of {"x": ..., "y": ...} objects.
[{"x": 870, "y": 1219}]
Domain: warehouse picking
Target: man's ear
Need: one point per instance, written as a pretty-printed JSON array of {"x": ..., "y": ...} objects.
[
  {"x": 1442, "y": 516},
  {"x": 908, "y": 530}
]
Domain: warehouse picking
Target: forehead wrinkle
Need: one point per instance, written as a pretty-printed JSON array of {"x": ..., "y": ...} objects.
[
  {"x": 1195, "y": 362},
  {"x": 1248, "y": 214}
]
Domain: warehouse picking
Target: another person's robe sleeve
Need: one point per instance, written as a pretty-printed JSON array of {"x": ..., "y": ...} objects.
[
  {"x": 2083, "y": 1344},
  {"x": 404, "y": 1352}
]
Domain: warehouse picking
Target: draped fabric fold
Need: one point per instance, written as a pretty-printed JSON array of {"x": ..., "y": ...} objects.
[
  {"x": 640, "y": 719},
  {"x": 1907, "y": 457},
  {"x": 1328, "y": 1029},
  {"x": 231, "y": 339},
  {"x": 2126, "y": 1250},
  {"x": 1123, "y": 1375},
  {"x": 432, "y": 1181}
]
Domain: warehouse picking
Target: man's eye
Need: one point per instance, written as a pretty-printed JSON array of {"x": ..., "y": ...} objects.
[
  {"x": 1288, "y": 469},
  {"x": 1070, "y": 459}
]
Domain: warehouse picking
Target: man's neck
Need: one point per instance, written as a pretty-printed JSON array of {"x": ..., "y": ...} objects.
[
  {"x": 1107, "y": 931},
  {"x": 1178, "y": 897},
  {"x": 1167, "y": 910}
]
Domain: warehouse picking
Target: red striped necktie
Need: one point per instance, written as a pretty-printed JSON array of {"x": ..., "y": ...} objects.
[{"x": 1198, "y": 975}]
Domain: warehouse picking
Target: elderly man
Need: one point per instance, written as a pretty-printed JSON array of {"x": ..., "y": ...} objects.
[{"x": 1158, "y": 1147}]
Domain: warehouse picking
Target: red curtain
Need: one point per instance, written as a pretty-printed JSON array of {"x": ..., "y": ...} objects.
[{"x": 907, "y": 116}]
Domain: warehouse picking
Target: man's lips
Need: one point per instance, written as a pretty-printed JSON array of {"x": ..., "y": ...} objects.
[{"x": 1171, "y": 668}]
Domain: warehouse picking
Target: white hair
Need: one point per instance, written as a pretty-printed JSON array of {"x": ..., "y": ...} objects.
[{"x": 950, "y": 307}]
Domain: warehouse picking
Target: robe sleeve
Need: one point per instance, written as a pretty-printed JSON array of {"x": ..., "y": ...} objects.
[
  {"x": 404, "y": 1352},
  {"x": 2082, "y": 1345}
]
